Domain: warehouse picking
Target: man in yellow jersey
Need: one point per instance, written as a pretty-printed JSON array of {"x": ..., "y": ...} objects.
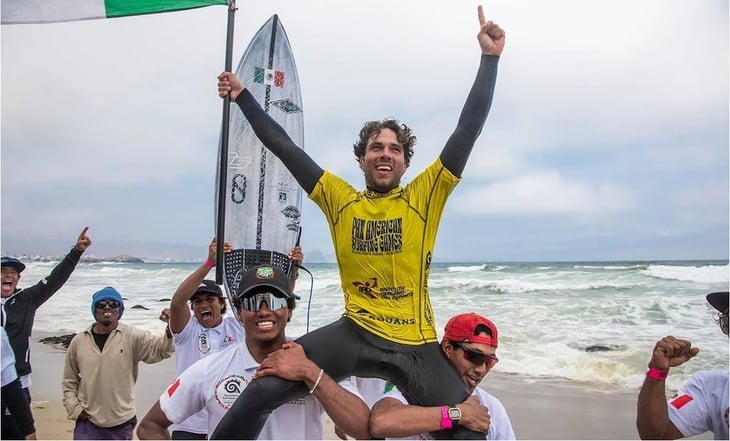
[{"x": 383, "y": 238}]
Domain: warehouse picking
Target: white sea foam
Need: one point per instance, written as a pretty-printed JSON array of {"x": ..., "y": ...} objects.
[
  {"x": 608, "y": 267},
  {"x": 546, "y": 317},
  {"x": 466, "y": 268},
  {"x": 702, "y": 274}
]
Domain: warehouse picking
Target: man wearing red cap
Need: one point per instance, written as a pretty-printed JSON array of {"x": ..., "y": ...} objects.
[
  {"x": 701, "y": 403},
  {"x": 470, "y": 343}
]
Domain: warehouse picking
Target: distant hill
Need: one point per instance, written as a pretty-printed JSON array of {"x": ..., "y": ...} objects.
[{"x": 146, "y": 251}]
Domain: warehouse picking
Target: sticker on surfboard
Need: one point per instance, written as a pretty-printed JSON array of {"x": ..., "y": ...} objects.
[{"x": 263, "y": 200}]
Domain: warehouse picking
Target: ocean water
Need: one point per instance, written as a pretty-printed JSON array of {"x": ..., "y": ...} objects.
[{"x": 547, "y": 313}]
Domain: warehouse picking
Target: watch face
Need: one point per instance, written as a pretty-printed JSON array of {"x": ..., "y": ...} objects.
[{"x": 454, "y": 413}]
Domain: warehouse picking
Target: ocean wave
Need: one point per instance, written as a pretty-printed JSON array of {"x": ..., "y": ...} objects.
[
  {"x": 608, "y": 267},
  {"x": 468, "y": 268},
  {"x": 520, "y": 286},
  {"x": 700, "y": 274}
]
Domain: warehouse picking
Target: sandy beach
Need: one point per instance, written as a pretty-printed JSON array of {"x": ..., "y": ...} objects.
[{"x": 542, "y": 410}]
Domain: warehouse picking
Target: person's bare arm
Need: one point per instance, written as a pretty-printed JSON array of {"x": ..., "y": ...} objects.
[
  {"x": 154, "y": 425},
  {"x": 392, "y": 419},
  {"x": 348, "y": 411},
  {"x": 179, "y": 309},
  {"x": 652, "y": 417}
]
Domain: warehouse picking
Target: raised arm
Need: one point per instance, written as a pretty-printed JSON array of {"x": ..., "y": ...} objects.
[
  {"x": 271, "y": 134},
  {"x": 296, "y": 256},
  {"x": 652, "y": 417},
  {"x": 179, "y": 310},
  {"x": 44, "y": 289},
  {"x": 459, "y": 145}
]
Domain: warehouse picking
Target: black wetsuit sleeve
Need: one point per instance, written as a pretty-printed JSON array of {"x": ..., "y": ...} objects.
[
  {"x": 44, "y": 289},
  {"x": 274, "y": 137},
  {"x": 475, "y": 111}
]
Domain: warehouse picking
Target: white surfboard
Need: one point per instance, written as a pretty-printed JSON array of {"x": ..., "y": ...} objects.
[{"x": 263, "y": 200}]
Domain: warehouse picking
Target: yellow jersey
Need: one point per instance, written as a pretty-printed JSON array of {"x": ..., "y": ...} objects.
[{"x": 384, "y": 245}]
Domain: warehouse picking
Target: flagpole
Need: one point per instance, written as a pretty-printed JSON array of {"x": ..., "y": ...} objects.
[{"x": 222, "y": 165}]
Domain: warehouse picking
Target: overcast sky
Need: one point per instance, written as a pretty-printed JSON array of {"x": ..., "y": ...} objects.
[{"x": 607, "y": 138}]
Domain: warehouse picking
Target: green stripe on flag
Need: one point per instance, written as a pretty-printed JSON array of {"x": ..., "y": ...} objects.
[{"x": 122, "y": 8}]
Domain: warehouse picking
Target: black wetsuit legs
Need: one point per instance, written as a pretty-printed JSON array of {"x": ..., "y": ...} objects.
[{"x": 421, "y": 372}]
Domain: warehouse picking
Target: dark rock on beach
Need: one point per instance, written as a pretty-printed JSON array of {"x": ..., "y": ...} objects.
[
  {"x": 140, "y": 307},
  {"x": 58, "y": 341},
  {"x": 603, "y": 348}
]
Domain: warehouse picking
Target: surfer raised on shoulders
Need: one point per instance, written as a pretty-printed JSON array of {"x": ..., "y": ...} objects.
[{"x": 383, "y": 238}]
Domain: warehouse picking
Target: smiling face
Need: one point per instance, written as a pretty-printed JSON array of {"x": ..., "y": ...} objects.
[
  {"x": 208, "y": 309},
  {"x": 384, "y": 162},
  {"x": 265, "y": 327},
  {"x": 10, "y": 278},
  {"x": 461, "y": 356},
  {"x": 107, "y": 315}
]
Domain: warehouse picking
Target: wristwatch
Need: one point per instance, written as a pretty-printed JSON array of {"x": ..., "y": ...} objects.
[{"x": 454, "y": 415}]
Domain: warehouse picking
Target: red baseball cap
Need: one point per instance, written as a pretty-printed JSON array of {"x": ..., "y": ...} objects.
[{"x": 462, "y": 328}]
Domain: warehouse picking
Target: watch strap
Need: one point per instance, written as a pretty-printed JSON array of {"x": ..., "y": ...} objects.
[
  {"x": 445, "y": 420},
  {"x": 657, "y": 374}
]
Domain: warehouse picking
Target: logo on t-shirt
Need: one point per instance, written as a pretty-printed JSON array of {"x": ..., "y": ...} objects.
[
  {"x": 203, "y": 343},
  {"x": 366, "y": 287},
  {"x": 228, "y": 389},
  {"x": 377, "y": 236}
]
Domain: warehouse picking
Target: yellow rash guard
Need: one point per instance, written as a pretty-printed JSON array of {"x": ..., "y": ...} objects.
[{"x": 384, "y": 244}]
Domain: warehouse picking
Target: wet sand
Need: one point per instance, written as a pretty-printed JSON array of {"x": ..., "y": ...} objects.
[{"x": 540, "y": 410}]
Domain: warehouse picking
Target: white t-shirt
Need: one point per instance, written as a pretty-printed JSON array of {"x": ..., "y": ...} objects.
[
  {"x": 196, "y": 342},
  {"x": 701, "y": 404},
  {"x": 215, "y": 382},
  {"x": 500, "y": 426}
]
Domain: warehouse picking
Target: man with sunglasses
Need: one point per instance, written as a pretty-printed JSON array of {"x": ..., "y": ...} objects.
[
  {"x": 101, "y": 370},
  {"x": 264, "y": 305},
  {"x": 207, "y": 330},
  {"x": 701, "y": 403},
  {"x": 470, "y": 345}
]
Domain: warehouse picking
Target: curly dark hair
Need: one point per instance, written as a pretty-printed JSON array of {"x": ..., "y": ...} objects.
[{"x": 372, "y": 128}]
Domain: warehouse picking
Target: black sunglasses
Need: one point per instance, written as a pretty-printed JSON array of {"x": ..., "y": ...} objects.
[
  {"x": 476, "y": 357},
  {"x": 273, "y": 301},
  {"x": 113, "y": 304}
]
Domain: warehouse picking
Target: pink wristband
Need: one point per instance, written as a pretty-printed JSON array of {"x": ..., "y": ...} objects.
[
  {"x": 209, "y": 263},
  {"x": 445, "y": 420},
  {"x": 657, "y": 374}
]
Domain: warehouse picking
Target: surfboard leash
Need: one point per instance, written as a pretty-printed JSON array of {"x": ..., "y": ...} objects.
[{"x": 311, "y": 290}]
